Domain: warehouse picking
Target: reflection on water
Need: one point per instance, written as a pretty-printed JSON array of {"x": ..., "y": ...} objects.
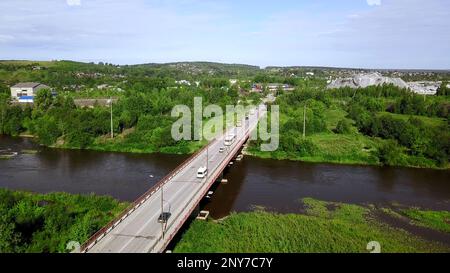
[
  {"x": 123, "y": 176},
  {"x": 276, "y": 185}
]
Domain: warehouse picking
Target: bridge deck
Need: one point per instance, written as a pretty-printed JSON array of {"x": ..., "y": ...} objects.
[{"x": 138, "y": 230}]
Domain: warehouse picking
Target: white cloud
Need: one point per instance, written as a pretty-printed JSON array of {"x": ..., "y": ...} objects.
[
  {"x": 73, "y": 2},
  {"x": 6, "y": 38},
  {"x": 374, "y": 2}
]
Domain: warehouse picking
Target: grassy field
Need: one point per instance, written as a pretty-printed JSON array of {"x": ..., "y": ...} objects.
[
  {"x": 431, "y": 122},
  {"x": 352, "y": 148},
  {"x": 325, "y": 227},
  {"x": 439, "y": 220},
  {"x": 26, "y": 62},
  {"x": 332, "y": 148}
]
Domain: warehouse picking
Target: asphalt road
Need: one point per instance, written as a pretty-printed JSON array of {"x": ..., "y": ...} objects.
[{"x": 141, "y": 232}]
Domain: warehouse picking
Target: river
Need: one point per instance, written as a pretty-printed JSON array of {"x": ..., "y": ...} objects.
[{"x": 275, "y": 185}]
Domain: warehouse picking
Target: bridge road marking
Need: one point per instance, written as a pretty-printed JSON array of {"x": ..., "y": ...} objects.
[
  {"x": 173, "y": 196},
  {"x": 153, "y": 216},
  {"x": 201, "y": 187},
  {"x": 131, "y": 220},
  {"x": 185, "y": 171}
]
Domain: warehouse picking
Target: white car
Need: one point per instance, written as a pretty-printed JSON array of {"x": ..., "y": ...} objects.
[
  {"x": 252, "y": 111},
  {"x": 221, "y": 149},
  {"x": 202, "y": 172},
  {"x": 229, "y": 139}
]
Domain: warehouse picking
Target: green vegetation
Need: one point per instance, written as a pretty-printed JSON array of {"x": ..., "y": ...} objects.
[
  {"x": 142, "y": 121},
  {"x": 46, "y": 223},
  {"x": 439, "y": 220},
  {"x": 326, "y": 227},
  {"x": 380, "y": 125}
]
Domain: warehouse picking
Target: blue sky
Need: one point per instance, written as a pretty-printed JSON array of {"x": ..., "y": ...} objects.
[{"x": 343, "y": 33}]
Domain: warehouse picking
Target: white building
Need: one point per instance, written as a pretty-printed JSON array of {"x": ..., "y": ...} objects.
[
  {"x": 183, "y": 82},
  {"x": 27, "y": 90}
]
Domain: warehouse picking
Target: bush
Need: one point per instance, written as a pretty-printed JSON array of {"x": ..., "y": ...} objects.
[
  {"x": 47, "y": 130},
  {"x": 343, "y": 127},
  {"x": 306, "y": 147},
  {"x": 46, "y": 223}
]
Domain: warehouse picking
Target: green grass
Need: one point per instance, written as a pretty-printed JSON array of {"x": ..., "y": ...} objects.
[
  {"x": 333, "y": 148},
  {"x": 439, "y": 220},
  {"x": 353, "y": 148},
  {"x": 139, "y": 148},
  {"x": 333, "y": 116},
  {"x": 342, "y": 229},
  {"x": 428, "y": 121},
  {"x": 26, "y": 62}
]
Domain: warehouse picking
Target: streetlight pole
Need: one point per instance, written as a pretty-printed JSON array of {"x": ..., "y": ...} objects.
[
  {"x": 304, "y": 121},
  {"x": 162, "y": 210},
  {"x": 111, "y": 103}
]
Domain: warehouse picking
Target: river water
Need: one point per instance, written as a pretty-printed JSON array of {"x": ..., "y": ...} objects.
[{"x": 275, "y": 185}]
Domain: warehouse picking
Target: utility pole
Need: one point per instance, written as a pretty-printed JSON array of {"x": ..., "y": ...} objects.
[
  {"x": 304, "y": 121},
  {"x": 111, "y": 103}
]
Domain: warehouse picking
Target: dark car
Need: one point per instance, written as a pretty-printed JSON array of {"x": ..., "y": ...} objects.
[{"x": 164, "y": 217}]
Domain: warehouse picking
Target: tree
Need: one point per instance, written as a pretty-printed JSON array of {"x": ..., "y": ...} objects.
[
  {"x": 47, "y": 130},
  {"x": 390, "y": 153},
  {"x": 443, "y": 90},
  {"x": 344, "y": 127},
  {"x": 43, "y": 99}
]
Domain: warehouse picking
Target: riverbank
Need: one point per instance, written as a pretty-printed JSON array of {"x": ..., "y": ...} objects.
[
  {"x": 39, "y": 223},
  {"x": 324, "y": 227},
  {"x": 114, "y": 145},
  {"x": 331, "y": 148},
  {"x": 346, "y": 149},
  {"x": 33, "y": 222}
]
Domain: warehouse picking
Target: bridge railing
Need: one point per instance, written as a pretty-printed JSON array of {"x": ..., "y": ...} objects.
[
  {"x": 136, "y": 204},
  {"x": 197, "y": 198}
]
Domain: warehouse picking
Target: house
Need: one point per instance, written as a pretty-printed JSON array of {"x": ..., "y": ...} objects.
[
  {"x": 183, "y": 82},
  {"x": 103, "y": 86},
  {"x": 272, "y": 87},
  {"x": 257, "y": 88},
  {"x": 27, "y": 90}
]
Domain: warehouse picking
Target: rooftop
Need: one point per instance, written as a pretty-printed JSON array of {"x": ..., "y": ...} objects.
[{"x": 29, "y": 85}]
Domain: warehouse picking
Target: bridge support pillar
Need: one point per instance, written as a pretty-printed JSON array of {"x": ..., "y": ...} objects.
[{"x": 195, "y": 212}]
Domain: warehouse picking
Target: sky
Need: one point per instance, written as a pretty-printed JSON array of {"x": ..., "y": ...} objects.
[{"x": 403, "y": 34}]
